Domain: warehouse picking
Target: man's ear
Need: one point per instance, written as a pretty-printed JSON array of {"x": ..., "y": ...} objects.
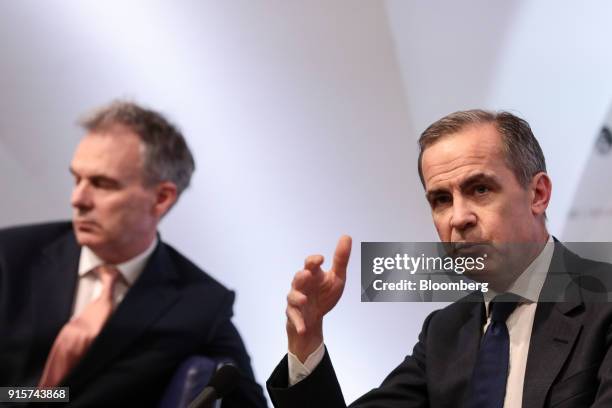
[
  {"x": 166, "y": 195},
  {"x": 541, "y": 189}
]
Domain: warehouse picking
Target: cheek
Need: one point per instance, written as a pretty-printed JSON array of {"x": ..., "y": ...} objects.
[
  {"x": 506, "y": 221},
  {"x": 125, "y": 210},
  {"x": 520, "y": 208},
  {"x": 442, "y": 225},
  {"x": 139, "y": 209}
]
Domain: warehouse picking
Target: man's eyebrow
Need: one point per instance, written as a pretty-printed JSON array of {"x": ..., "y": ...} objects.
[
  {"x": 465, "y": 184},
  {"x": 98, "y": 177},
  {"x": 431, "y": 194},
  {"x": 479, "y": 178},
  {"x": 102, "y": 177}
]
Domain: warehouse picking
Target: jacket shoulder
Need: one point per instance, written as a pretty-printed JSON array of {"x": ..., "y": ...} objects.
[
  {"x": 192, "y": 275},
  {"x": 32, "y": 237}
]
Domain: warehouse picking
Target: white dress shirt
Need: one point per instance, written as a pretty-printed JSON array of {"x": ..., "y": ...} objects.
[
  {"x": 89, "y": 285},
  {"x": 528, "y": 285}
]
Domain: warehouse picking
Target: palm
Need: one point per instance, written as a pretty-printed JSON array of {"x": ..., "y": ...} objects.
[{"x": 328, "y": 288}]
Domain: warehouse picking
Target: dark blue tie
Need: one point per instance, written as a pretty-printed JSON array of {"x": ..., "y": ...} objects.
[{"x": 488, "y": 386}]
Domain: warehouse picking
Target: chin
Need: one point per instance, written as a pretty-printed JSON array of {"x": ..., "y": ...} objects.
[{"x": 88, "y": 239}]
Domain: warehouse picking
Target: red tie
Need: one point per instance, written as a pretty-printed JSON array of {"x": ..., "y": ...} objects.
[{"x": 77, "y": 335}]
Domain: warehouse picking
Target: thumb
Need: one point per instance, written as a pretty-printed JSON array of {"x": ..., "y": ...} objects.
[{"x": 341, "y": 256}]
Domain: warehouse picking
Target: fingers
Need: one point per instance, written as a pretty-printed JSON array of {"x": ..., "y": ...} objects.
[
  {"x": 296, "y": 298},
  {"x": 313, "y": 263},
  {"x": 295, "y": 301},
  {"x": 341, "y": 256},
  {"x": 295, "y": 318},
  {"x": 304, "y": 280}
]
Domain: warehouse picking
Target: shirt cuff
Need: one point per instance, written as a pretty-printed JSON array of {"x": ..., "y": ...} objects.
[{"x": 299, "y": 371}]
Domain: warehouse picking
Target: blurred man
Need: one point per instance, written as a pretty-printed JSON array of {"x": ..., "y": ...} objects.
[
  {"x": 102, "y": 305},
  {"x": 485, "y": 179}
]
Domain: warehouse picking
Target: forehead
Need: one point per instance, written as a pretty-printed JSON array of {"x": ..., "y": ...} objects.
[
  {"x": 116, "y": 152},
  {"x": 455, "y": 157}
]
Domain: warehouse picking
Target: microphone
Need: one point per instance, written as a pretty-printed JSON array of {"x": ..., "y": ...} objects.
[{"x": 222, "y": 383}]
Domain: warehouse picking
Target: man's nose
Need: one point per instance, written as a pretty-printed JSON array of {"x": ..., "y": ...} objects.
[
  {"x": 81, "y": 196},
  {"x": 462, "y": 217}
]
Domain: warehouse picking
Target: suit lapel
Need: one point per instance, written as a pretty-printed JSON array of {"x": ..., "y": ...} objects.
[
  {"x": 153, "y": 292},
  {"x": 53, "y": 287},
  {"x": 469, "y": 343},
  {"x": 555, "y": 330},
  {"x": 553, "y": 337},
  {"x": 459, "y": 359}
]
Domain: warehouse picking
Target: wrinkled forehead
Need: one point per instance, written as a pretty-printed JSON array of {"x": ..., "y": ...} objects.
[
  {"x": 453, "y": 157},
  {"x": 115, "y": 152}
]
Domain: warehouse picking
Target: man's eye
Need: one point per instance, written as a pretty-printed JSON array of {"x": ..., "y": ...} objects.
[
  {"x": 481, "y": 189},
  {"x": 441, "y": 200},
  {"x": 103, "y": 184}
]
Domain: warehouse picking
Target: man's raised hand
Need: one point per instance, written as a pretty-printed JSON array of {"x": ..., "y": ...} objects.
[{"x": 313, "y": 293}]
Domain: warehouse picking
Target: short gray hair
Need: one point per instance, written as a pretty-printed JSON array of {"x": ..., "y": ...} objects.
[
  {"x": 167, "y": 156},
  {"x": 522, "y": 151}
]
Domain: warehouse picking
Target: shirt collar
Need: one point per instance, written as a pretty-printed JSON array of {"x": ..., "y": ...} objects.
[
  {"x": 130, "y": 269},
  {"x": 529, "y": 284}
]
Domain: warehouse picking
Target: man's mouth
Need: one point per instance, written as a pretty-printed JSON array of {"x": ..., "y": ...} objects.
[
  {"x": 85, "y": 225},
  {"x": 469, "y": 248}
]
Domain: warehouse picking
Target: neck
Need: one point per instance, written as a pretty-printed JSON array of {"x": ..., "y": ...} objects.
[
  {"x": 120, "y": 253},
  {"x": 520, "y": 256}
]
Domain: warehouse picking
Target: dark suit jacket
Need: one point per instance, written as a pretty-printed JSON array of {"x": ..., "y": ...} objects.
[
  {"x": 569, "y": 362},
  {"x": 173, "y": 310}
]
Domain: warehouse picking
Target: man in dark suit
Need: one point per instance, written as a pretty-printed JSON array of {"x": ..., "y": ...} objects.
[
  {"x": 542, "y": 335},
  {"x": 102, "y": 305}
]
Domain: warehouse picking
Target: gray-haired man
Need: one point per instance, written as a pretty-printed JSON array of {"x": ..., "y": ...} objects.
[{"x": 102, "y": 305}]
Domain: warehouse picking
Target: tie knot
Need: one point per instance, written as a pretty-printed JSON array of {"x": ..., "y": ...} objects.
[
  {"x": 502, "y": 306},
  {"x": 108, "y": 274}
]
